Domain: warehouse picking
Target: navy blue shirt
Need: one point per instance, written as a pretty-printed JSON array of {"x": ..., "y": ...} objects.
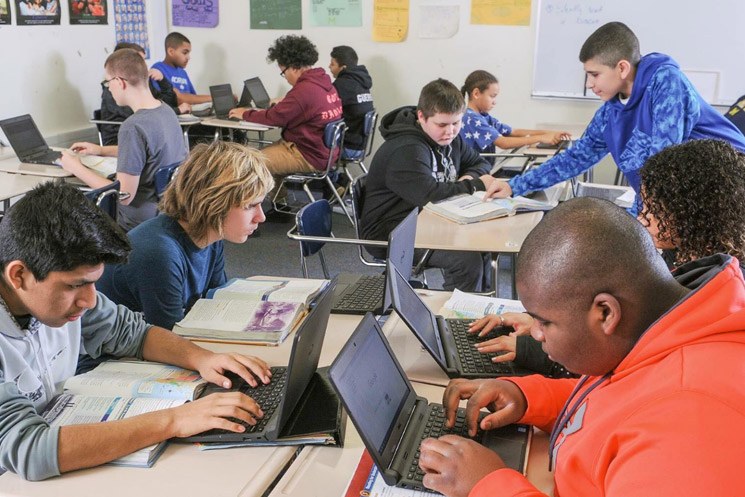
[{"x": 166, "y": 272}]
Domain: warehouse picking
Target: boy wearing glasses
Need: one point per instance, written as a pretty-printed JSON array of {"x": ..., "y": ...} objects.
[
  {"x": 424, "y": 160},
  {"x": 303, "y": 113},
  {"x": 148, "y": 140}
]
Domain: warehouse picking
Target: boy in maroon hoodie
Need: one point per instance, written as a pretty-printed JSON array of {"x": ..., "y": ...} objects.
[{"x": 303, "y": 113}]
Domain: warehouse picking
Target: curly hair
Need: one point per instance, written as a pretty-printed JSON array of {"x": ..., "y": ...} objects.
[
  {"x": 293, "y": 51},
  {"x": 696, "y": 191}
]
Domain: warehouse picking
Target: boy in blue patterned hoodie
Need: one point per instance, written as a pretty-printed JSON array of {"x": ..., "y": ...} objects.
[{"x": 649, "y": 105}]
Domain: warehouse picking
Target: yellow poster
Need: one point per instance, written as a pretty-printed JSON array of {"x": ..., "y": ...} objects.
[
  {"x": 390, "y": 20},
  {"x": 504, "y": 12}
]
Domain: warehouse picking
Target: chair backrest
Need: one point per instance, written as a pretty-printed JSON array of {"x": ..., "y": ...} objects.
[
  {"x": 314, "y": 219},
  {"x": 106, "y": 197},
  {"x": 368, "y": 130},
  {"x": 333, "y": 138},
  {"x": 163, "y": 176},
  {"x": 97, "y": 117}
]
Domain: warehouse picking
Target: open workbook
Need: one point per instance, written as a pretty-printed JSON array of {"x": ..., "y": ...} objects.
[
  {"x": 105, "y": 166},
  {"x": 259, "y": 311},
  {"x": 471, "y": 208},
  {"x": 122, "y": 389}
]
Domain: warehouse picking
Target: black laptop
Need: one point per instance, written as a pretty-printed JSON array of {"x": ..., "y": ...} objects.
[
  {"x": 27, "y": 142},
  {"x": 358, "y": 293},
  {"x": 279, "y": 398},
  {"x": 447, "y": 340},
  {"x": 390, "y": 418},
  {"x": 257, "y": 92},
  {"x": 223, "y": 101}
]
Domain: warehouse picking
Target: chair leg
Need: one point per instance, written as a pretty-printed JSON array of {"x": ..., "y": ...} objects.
[
  {"x": 323, "y": 265},
  {"x": 339, "y": 199}
]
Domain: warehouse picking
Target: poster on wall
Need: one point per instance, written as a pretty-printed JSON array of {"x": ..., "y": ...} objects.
[
  {"x": 336, "y": 13},
  {"x": 37, "y": 12},
  {"x": 4, "y": 12},
  {"x": 195, "y": 13},
  {"x": 276, "y": 14},
  {"x": 130, "y": 23},
  {"x": 88, "y": 12}
]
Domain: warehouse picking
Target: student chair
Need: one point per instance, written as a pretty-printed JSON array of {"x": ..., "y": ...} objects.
[
  {"x": 106, "y": 197},
  {"x": 163, "y": 177},
  {"x": 333, "y": 137},
  {"x": 314, "y": 219},
  {"x": 98, "y": 122},
  {"x": 368, "y": 134}
]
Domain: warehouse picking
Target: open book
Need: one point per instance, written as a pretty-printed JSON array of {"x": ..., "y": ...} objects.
[
  {"x": 259, "y": 311},
  {"x": 462, "y": 305},
  {"x": 105, "y": 166},
  {"x": 122, "y": 389},
  {"x": 622, "y": 196},
  {"x": 466, "y": 209}
]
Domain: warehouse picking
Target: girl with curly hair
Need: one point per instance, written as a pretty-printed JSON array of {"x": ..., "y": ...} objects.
[{"x": 694, "y": 200}]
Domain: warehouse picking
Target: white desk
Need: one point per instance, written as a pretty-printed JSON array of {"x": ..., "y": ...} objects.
[
  {"x": 260, "y": 129},
  {"x": 13, "y": 164},
  {"x": 15, "y": 185},
  {"x": 504, "y": 235}
]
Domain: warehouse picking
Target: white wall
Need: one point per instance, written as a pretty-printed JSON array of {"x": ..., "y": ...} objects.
[{"x": 54, "y": 71}]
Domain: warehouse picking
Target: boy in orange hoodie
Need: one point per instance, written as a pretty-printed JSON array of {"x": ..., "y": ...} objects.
[{"x": 660, "y": 409}]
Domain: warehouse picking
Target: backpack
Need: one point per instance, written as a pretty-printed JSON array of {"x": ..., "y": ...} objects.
[{"x": 736, "y": 114}]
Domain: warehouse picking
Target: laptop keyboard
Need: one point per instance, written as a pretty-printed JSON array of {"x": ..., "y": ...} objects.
[
  {"x": 435, "y": 428},
  {"x": 45, "y": 158},
  {"x": 472, "y": 361},
  {"x": 267, "y": 396},
  {"x": 365, "y": 295}
]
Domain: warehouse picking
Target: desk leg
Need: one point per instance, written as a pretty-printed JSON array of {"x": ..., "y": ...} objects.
[
  {"x": 186, "y": 138},
  {"x": 217, "y": 135},
  {"x": 495, "y": 266},
  {"x": 261, "y": 139},
  {"x": 513, "y": 263}
]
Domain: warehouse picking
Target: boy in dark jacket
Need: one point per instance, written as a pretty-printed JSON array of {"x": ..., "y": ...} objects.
[
  {"x": 353, "y": 84},
  {"x": 424, "y": 160}
]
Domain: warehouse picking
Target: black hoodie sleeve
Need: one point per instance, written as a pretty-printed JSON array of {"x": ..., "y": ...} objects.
[
  {"x": 411, "y": 177},
  {"x": 529, "y": 354}
]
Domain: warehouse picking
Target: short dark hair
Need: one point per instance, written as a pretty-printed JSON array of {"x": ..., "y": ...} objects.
[
  {"x": 478, "y": 79},
  {"x": 126, "y": 44},
  {"x": 175, "y": 40},
  {"x": 127, "y": 64},
  {"x": 55, "y": 228},
  {"x": 610, "y": 44},
  {"x": 695, "y": 190},
  {"x": 293, "y": 51},
  {"x": 442, "y": 96},
  {"x": 345, "y": 56}
]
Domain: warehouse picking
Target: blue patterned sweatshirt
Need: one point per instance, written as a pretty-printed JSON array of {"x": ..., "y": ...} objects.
[{"x": 664, "y": 109}]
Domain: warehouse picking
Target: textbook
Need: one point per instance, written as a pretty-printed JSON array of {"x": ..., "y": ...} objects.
[
  {"x": 462, "y": 305},
  {"x": 105, "y": 166},
  {"x": 622, "y": 196},
  {"x": 470, "y": 208},
  {"x": 256, "y": 311},
  {"x": 122, "y": 389}
]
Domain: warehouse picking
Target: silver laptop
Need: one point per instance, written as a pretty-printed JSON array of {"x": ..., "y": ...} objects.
[
  {"x": 390, "y": 418},
  {"x": 27, "y": 142},
  {"x": 279, "y": 398}
]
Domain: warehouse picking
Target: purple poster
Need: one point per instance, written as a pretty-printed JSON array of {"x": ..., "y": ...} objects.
[{"x": 195, "y": 13}]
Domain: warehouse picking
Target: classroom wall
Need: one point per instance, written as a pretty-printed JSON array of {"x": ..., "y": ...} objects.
[{"x": 56, "y": 70}]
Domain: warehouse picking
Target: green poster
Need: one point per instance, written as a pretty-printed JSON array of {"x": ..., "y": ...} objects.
[
  {"x": 336, "y": 13},
  {"x": 276, "y": 14}
]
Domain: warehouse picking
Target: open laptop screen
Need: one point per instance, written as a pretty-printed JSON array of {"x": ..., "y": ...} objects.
[
  {"x": 222, "y": 99},
  {"x": 371, "y": 385},
  {"x": 258, "y": 93},
  {"x": 401, "y": 249},
  {"x": 23, "y": 135}
]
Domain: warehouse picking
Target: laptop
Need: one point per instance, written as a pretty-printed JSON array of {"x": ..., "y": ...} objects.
[
  {"x": 447, "y": 340},
  {"x": 279, "y": 398},
  {"x": 358, "y": 293},
  {"x": 257, "y": 92},
  {"x": 390, "y": 418},
  {"x": 223, "y": 101},
  {"x": 27, "y": 142}
]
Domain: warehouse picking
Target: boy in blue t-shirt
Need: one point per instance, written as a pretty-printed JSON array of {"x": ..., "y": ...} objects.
[
  {"x": 649, "y": 105},
  {"x": 178, "y": 53}
]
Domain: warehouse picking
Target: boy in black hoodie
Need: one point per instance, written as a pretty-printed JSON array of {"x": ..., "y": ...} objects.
[
  {"x": 424, "y": 160},
  {"x": 353, "y": 84}
]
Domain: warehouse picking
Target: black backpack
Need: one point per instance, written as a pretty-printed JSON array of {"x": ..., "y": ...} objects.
[{"x": 736, "y": 114}]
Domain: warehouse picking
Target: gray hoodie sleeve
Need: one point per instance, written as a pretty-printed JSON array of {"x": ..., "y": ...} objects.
[
  {"x": 28, "y": 445},
  {"x": 113, "y": 329}
]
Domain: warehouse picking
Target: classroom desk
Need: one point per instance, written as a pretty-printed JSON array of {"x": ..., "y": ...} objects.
[
  {"x": 15, "y": 185},
  {"x": 504, "y": 235},
  {"x": 14, "y": 165},
  {"x": 260, "y": 129},
  {"x": 326, "y": 471}
]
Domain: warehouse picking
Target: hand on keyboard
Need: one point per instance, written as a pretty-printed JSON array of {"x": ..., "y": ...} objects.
[
  {"x": 519, "y": 321},
  {"x": 504, "y": 347}
]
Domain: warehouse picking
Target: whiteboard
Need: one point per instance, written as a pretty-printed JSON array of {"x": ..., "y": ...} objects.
[{"x": 694, "y": 33}]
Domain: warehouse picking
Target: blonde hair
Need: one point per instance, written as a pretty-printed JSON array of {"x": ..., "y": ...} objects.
[{"x": 214, "y": 179}]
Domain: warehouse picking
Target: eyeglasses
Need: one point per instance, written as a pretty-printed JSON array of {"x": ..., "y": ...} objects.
[
  {"x": 105, "y": 83},
  {"x": 283, "y": 71}
]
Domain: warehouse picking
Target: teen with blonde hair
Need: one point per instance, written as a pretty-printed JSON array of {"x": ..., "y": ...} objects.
[{"x": 178, "y": 256}]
